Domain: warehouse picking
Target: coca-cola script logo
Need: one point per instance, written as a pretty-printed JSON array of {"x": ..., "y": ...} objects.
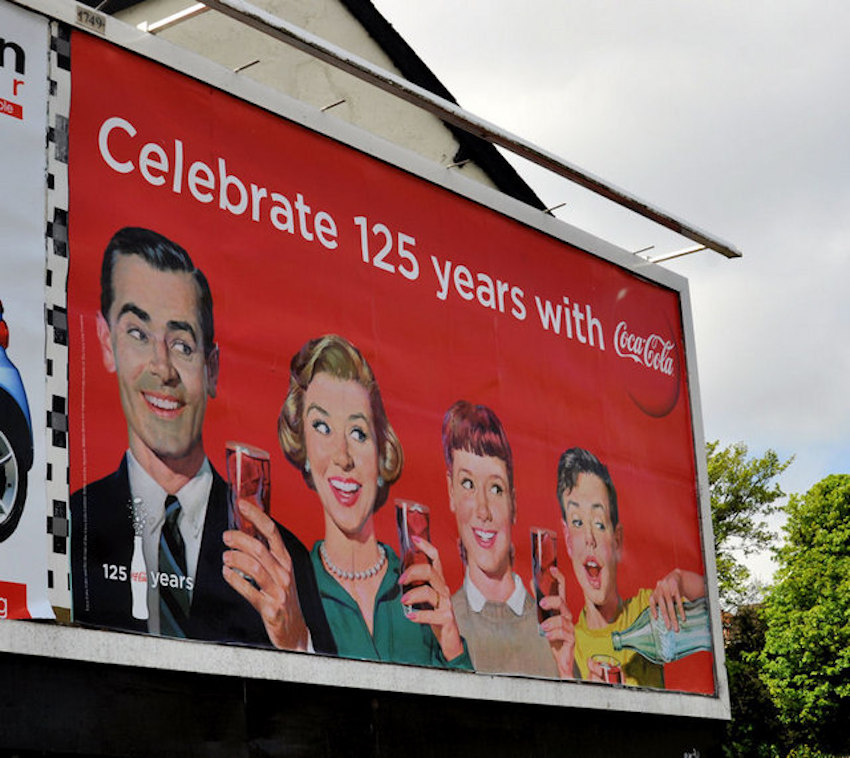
[
  {"x": 653, "y": 351},
  {"x": 648, "y": 352}
]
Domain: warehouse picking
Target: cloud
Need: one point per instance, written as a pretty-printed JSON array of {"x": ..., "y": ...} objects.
[{"x": 730, "y": 115}]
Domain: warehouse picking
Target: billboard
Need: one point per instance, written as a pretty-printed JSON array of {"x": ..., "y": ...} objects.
[
  {"x": 318, "y": 403},
  {"x": 23, "y": 125}
]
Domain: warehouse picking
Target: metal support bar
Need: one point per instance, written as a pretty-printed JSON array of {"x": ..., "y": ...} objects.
[
  {"x": 244, "y": 66},
  {"x": 275, "y": 27},
  {"x": 173, "y": 19},
  {"x": 333, "y": 105},
  {"x": 677, "y": 254}
]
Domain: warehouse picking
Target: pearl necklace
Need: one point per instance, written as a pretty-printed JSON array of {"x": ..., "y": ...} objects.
[{"x": 353, "y": 575}]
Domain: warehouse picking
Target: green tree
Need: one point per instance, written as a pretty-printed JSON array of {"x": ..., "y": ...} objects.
[
  {"x": 806, "y": 656},
  {"x": 743, "y": 494},
  {"x": 755, "y": 728}
]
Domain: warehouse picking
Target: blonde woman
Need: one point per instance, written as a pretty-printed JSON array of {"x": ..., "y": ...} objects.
[{"x": 334, "y": 429}]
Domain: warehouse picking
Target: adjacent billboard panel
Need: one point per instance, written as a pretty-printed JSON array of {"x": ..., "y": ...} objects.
[
  {"x": 23, "y": 129},
  {"x": 318, "y": 403}
]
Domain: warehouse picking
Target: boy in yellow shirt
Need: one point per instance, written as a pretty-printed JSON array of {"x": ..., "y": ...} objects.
[{"x": 593, "y": 535}]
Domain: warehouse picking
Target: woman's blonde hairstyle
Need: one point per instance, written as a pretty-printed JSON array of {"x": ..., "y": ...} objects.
[{"x": 337, "y": 357}]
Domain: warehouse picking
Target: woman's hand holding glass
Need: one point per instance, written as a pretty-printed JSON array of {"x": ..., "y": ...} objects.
[
  {"x": 271, "y": 588},
  {"x": 558, "y": 628},
  {"x": 433, "y": 590}
]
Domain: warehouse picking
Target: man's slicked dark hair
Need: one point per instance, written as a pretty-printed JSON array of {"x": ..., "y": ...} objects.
[
  {"x": 164, "y": 255},
  {"x": 577, "y": 461}
]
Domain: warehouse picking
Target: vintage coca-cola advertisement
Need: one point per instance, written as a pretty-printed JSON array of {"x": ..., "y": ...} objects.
[{"x": 236, "y": 276}]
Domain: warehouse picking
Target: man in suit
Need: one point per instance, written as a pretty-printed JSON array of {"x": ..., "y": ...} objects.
[{"x": 148, "y": 541}]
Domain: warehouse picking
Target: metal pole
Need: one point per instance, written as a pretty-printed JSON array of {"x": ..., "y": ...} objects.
[{"x": 275, "y": 27}]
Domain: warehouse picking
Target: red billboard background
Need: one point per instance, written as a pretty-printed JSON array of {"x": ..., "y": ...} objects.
[{"x": 431, "y": 337}]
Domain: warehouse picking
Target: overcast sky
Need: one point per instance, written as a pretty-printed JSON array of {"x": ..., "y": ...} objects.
[{"x": 732, "y": 116}]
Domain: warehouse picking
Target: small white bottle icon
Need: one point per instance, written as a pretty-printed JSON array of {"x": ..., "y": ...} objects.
[{"x": 138, "y": 568}]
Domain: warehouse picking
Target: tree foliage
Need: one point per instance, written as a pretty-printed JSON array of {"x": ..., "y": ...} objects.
[
  {"x": 806, "y": 656},
  {"x": 755, "y": 728},
  {"x": 744, "y": 492}
]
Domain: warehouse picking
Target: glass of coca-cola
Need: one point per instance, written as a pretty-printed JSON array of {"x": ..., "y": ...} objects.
[
  {"x": 248, "y": 478},
  {"x": 612, "y": 672},
  {"x": 544, "y": 556},
  {"x": 413, "y": 520}
]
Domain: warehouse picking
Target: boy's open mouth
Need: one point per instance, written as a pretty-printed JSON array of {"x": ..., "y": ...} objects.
[{"x": 592, "y": 568}]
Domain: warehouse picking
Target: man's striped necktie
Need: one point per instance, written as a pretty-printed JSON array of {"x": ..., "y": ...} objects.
[{"x": 173, "y": 593}]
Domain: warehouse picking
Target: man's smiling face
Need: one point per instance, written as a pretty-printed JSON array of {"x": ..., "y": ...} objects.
[{"x": 152, "y": 340}]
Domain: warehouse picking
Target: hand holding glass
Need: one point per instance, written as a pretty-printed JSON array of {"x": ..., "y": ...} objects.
[
  {"x": 413, "y": 520},
  {"x": 248, "y": 478},
  {"x": 610, "y": 668}
]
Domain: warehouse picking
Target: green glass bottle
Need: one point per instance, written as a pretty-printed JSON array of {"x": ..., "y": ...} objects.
[{"x": 654, "y": 641}]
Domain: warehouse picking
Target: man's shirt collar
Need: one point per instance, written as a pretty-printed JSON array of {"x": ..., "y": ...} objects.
[{"x": 149, "y": 498}]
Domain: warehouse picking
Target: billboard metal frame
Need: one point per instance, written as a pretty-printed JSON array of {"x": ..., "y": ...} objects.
[
  {"x": 96, "y": 646},
  {"x": 277, "y": 28}
]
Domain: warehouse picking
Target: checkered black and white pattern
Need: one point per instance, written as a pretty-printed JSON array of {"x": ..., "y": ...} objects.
[{"x": 56, "y": 315}]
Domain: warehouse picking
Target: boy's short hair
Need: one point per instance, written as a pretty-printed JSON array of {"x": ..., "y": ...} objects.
[{"x": 577, "y": 461}]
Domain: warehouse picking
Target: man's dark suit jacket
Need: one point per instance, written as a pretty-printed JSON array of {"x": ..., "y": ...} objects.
[{"x": 102, "y": 534}]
